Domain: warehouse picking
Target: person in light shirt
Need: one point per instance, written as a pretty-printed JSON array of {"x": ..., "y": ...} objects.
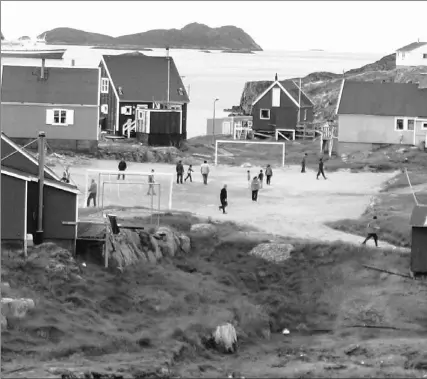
[{"x": 204, "y": 170}]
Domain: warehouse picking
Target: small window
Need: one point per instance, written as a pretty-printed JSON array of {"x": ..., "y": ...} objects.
[
  {"x": 275, "y": 101},
  {"x": 424, "y": 126},
  {"x": 411, "y": 124},
  {"x": 104, "y": 108},
  {"x": 104, "y": 85},
  {"x": 400, "y": 124},
  {"x": 305, "y": 114},
  {"x": 264, "y": 114},
  {"x": 59, "y": 117},
  {"x": 424, "y": 56},
  {"x": 127, "y": 110}
]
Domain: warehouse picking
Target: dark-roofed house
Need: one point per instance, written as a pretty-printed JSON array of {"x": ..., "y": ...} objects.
[
  {"x": 277, "y": 107},
  {"x": 20, "y": 198},
  {"x": 372, "y": 114},
  {"x": 143, "y": 95},
  {"x": 419, "y": 239},
  {"x": 61, "y": 101},
  {"x": 414, "y": 54}
]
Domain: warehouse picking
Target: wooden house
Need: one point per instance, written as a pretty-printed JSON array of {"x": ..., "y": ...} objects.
[
  {"x": 20, "y": 197},
  {"x": 373, "y": 114},
  {"x": 419, "y": 240},
  {"x": 278, "y": 107},
  {"x": 61, "y": 101},
  {"x": 143, "y": 95}
]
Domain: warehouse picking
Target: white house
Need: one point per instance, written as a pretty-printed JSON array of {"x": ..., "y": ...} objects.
[{"x": 414, "y": 54}]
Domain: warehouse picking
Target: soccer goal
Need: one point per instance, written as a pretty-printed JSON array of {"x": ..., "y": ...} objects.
[
  {"x": 282, "y": 144},
  {"x": 131, "y": 189}
]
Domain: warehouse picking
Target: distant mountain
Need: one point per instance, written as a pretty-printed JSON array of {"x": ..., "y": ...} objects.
[
  {"x": 192, "y": 36},
  {"x": 24, "y": 38}
]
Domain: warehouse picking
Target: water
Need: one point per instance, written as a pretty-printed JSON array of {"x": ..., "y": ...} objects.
[{"x": 223, "y": 75}]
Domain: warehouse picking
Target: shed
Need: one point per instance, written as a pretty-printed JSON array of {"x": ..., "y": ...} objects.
[{"x": 419, "y": 239}]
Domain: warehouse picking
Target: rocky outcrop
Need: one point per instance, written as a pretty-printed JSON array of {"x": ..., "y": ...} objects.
[
  {"x": 130, "y": 246},
  {"x": 14, "y": 308},
  {"x": 225, "y": 338},
  {"x": 204, "y": 230},
  {"x": 274, "y": 252}
]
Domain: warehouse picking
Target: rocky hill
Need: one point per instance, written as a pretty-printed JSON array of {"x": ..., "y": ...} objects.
[
  {"x": 191, "y": 36},
  {"x": 323, "y": 87}
]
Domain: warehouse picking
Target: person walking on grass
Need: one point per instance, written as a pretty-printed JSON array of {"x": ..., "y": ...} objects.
[
  {"x": 249, "y": 178},
  {"x": 223, "y": 199},
  {"x": 151, "y": 181},
  {"x": 303, "y": 163},
  {"x": 261, "y": 178},
  {"x": 179, "y": 172},
  {"x": 268, "y": 174},
  {"x": 320, "y": 171},
  {"x": 92, "y": 193},
  {"x": 204, "y": 169},
  {"x": 255, "y": 188},
  {"x": 189, "y": 171},
  {"x": 122, "y": 167},
  {"x": 66, "y": 176},
  {"x": 372, "y": 230}
]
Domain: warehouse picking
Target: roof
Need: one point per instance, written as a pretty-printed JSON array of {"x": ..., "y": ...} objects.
[
  {"x": 145, "y": 78},
  {"x": 31, "y": 178},
  {"x": 63, "y": 85},
  {"x": 50, "y": 174},
  {"x": 291, "y": 89},
  {"x": 419, "y": 216},
  {"x": 382, "y": 99},
  {"x": 412, "y": 46}
]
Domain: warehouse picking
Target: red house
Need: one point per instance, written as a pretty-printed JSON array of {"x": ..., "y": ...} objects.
[
  {"x": 143, "y": 96},
  {"x": 61, "y": 101},
  {"x": 20, "y": 197},
  {"x": 277, "y": 107}
]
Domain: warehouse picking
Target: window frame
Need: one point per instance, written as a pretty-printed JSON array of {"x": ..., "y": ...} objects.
[
  {"x": 264, "y": 118},
  {"x": 105, "y": 85},
  {"x": 104, "y": 108},
  {"x": 59, "y": 123},
  {"x": 407, "y": 124}
]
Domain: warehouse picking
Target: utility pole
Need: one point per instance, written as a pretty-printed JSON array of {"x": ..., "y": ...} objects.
[
  {"x": 299, "y": 102},
  {"x": 213, "y": 125},
  {"x": 169, "y": 76},
  {"x": 39, "y": 232}
]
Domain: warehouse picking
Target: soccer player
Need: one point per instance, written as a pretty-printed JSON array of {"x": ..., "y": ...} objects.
[
  {"x": 189, "y": 171},
  {"x": 320, "y": 171},
  {"x": 151, "y": 190},
  {"x": 372, "y": 229},
  {"x": 268, "y": 174},
  {"x": 223, "y": 199},
  {"x": 122, "y": 167}
]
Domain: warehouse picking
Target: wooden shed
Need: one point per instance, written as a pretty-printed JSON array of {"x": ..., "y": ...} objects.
[{"x": 419, "y": 239}]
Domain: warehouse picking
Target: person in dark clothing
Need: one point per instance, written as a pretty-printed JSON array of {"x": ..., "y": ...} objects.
[
  {"x": 223, "y": 199},
  {"x": 320, "y": 171},
  {"x": 268, "y": 174},
  {"x": 372, "y": 229},
  {"x": 151, "y": 181},
  {"x": 122, "y": 167},
  {"x": 189, "y": 171},
  {"x": 303, "y": 162},
  {"x": 92, "y": 193},
  {"x": 179, "y": 172},
  {"x": 261, "y": 178},
  {"x": 255, "y": 188}
]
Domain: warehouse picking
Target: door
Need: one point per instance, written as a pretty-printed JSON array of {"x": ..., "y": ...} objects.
[{"x": 141, "y": 118}]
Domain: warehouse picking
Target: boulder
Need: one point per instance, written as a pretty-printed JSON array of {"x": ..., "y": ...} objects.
[
  {"x": 225, "y": 338},
  {"x": 168, "y": 241},
  {"x": 273, "y": 252},
  {"x": 17, "y": 308},
  {"x": 205, "y": 230},
  {"x": 185, "y": 243}
]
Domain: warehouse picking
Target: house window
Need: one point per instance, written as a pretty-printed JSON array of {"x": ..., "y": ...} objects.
[
  {"x": 104, "y": 108},
  {"x": 264, "y": 114},
  {"x": 424, "y": 56},
  {"x": 104, "y": 85},
  {"x": 424, "y": 126},
  {"x": 59, "y": 117},
  {"x": 305, "y": 114},
  {"x": 400, "y": 124},
  {"x": 275, "y": 101},
  {"x": 127, "y": 110},
  {"x": 411, "y": 124}
]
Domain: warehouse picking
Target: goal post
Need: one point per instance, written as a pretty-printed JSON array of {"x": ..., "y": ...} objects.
[
  {"x": 134, "y": 187},
  {"x": 250, "y": 143}
]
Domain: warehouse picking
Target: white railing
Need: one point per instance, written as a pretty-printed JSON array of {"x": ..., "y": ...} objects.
[
  {"x": 241, "y": 132},
  {"x": 128, "y": 127}
]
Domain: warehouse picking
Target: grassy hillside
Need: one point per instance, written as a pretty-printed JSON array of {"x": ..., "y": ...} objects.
[{"x": 192, "y": 36}]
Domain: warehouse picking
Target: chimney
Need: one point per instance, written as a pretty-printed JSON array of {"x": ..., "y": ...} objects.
[
  {"x": 276, "y": 78},
  {"x": 42, "y": 69},
  {"x": 73, "y": 62}
]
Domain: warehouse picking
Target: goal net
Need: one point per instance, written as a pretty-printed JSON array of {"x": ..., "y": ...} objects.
[
  {"x": 131, "y": 189},
  {"x": 245, "y": 151}
]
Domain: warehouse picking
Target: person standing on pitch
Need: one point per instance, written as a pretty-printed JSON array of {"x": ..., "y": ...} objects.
[
  {"x": 189, "y": 171},
  {"x": 261, "y": 178},
  {"x": 223, "y": 199},
  {"x": 204, "y": 169},
  {"x": 268, "y": 174},
  {"x": 372, "y": 229},
  {"x": 151, "y": 190},
  {"x": 320, "y": 171},
  {"x": 92, "y": 193},
  {"x": 179, "y": 172},
  {"x": 255, "y": 188},
  {"x": 122, "y": 167},
  {"x": 249, "y": 178},
  {"x": 303, "y": 162}
]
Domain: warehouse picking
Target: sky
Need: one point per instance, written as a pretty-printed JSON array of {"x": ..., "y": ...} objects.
[{"x": 341, "y": 26}]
